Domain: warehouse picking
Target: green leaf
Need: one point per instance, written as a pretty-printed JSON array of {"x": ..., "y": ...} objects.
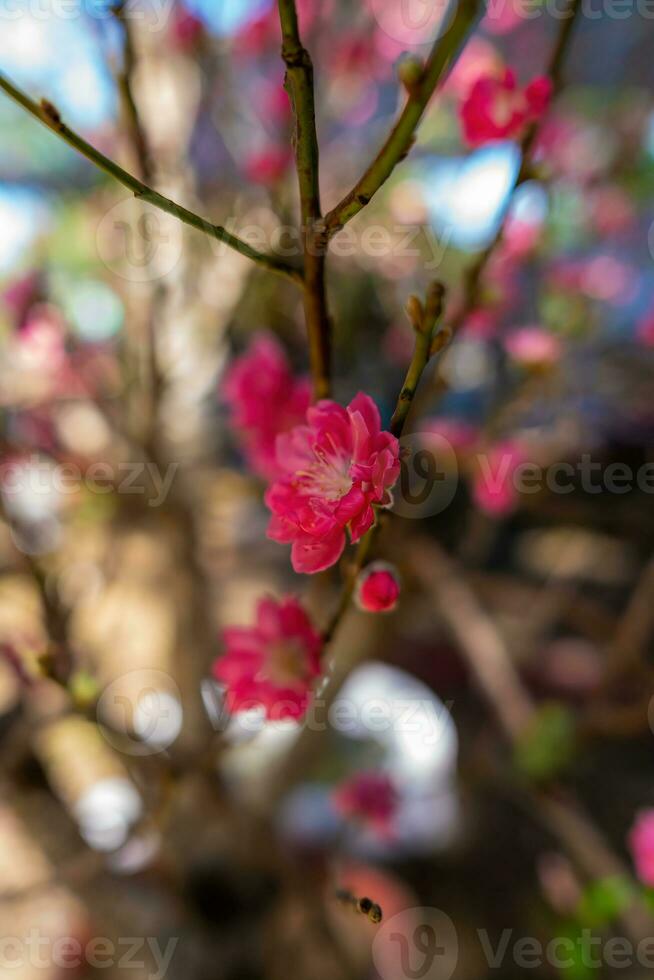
[
  {"x": 548, "y": 746},
  {"x": 605, "y": 900}
]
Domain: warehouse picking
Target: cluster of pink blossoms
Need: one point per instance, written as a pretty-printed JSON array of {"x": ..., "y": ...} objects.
[
  {"x": 496, "y": 108},
  {"x": 333, "y": 470},
  {"x": 273, "y": 664},
  {"x": 265, "y": 399},
  {"x": 330, "y": 466}
]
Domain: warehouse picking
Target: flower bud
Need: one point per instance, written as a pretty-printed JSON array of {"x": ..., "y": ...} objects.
[
  {"x": 410, "y": 72},
  {"x": 378, "y": 588}
]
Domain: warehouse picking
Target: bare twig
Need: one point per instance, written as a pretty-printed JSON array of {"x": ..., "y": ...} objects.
[
  {"x": 299, "y": 84},
  {"x": 48, "y": 115},
  {"x": 401, "y": 138},
  {"x": 124, "y": 76},
  {"x": 554, "y": 70}
]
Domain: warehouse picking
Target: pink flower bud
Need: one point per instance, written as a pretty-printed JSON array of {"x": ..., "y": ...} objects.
[{"x": 378, "y": 588}]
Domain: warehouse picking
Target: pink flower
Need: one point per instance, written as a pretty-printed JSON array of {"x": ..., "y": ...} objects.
[
  {"x": 533, "y": 346},
  {"x": 611, "y": 210},
  {"x": 521, "y": 236},
  {"x": 494, "y": 490},
  {"x": 19, "y": 295},
  {"x": 369, "y": 797},
  {"x": 641, "y": 844},
  {"x": 480, "y": 324},
  {"x": 601, "y": 277},
  {"x": 478, "y": 58},
  {"x": 496, "y": 108},
  {"x": 265, "y": 399},
  {"x": 378, "y": 588},
  {"x": 459, "y": 434},
  {"x": 41, "y": 340},
  {"x": 334, "y": 469},
  {"x": 187, "y": 29},
  {"x": 272, "y": 664},
  {"x": 505, "y": 18},
  {"x": 268, "y": 165},
  {"x": 645, "y": 329}
]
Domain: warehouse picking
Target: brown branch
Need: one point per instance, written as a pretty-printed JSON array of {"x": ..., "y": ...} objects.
[
  {"x": 132, "y": 119},
  {"x": 299, "y": 85}
]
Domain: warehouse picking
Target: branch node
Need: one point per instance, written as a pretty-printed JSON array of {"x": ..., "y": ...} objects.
[{"x": 50, "y": 114}]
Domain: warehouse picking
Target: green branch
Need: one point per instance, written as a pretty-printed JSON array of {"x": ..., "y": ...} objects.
[
  {"x": 299, "y": 85},
  {"x": 401, "y": 138},
  {"x": 48, "y": 115}
]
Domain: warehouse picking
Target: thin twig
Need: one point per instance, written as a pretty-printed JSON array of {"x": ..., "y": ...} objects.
[
  {"x": 554, "y": 71},
  {"x": 402, "y": 136},
  {"x": 48, "y": 115},
  {"x": 299, "y": 85},
  {"x": 132, "y": 119},
  {"x": 428, "y": 341}
]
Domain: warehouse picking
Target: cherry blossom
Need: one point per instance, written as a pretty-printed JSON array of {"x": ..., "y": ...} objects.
[
  {"x": 497, "y": 108},
  {"x": 334, "y": 470},
  {"x": 265, "y": 399},
  {"x": 370, "y": 798},
  {"x": 273, "y": 664}
]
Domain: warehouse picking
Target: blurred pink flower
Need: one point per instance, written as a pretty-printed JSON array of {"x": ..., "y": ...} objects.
[
  {"x": 600, "y": 277},
  {"x": 496, "y": 108},
  {"x": 368, "y": 797},
  {"x": 645, "y": 329},
  {"x": 505, "y": 17},
  {"x": 533, "y": 346},
  {"x": 41, "y": 340},
  {"x": 641, "y": 844},
  {"x": 334, "y": 469},
  {"x": 264, "y": 399},
  {"x": 186, "y": 30},
  {"x": 611, "y": 210},
  {"x": 521, "y": 237},
  {"x": 478, "y": 58},
  {"x": 480, "y": 324},
  {"x": 20, "y": 294},
  {"x": 378, "y": 588},
  {"x": 494, "y": 490},
  {"x": 268, "y": 165},
  {"x": 272, "y": 664},
  {"x": 460, "y": 435}
]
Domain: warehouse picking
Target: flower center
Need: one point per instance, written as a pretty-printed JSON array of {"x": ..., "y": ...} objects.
[
  {"x": 329, "y": 476},
  {"x": 504, "y": 108},
  {"x": 285, "y": 664}
]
